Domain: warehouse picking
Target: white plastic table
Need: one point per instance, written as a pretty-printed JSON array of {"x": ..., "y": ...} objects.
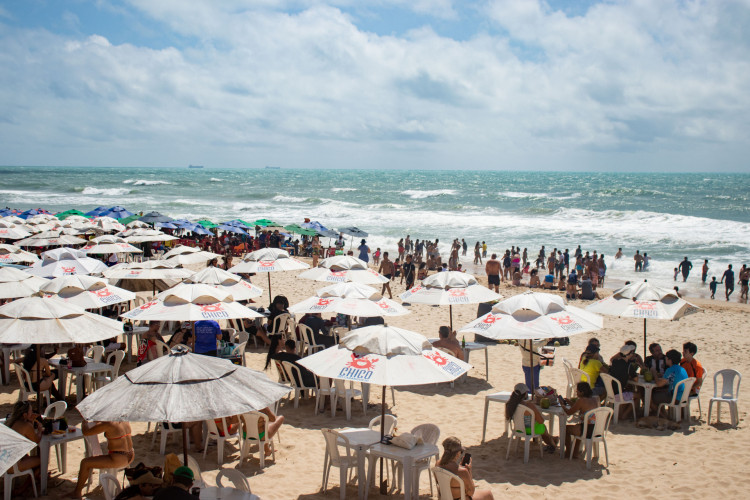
[
  {"x": 562, "y": 418},
  {"x": 7, "y": 349},
  {"x": 50, "y": 440},
  {"x": 91, "y": 368},
  {"x": 497, "y": 397},
  {"x": 407, "y": 459},
  {"x": 360, "y": 440},
  {"x": 648, "y": 389},
  {"x": 474, "y": 346}
]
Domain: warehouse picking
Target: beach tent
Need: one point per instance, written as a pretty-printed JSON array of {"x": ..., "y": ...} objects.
[{"x": 153, "y": 217}]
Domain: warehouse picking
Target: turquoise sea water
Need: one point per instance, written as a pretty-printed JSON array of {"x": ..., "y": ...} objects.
[{"x": 666, "y": 215}]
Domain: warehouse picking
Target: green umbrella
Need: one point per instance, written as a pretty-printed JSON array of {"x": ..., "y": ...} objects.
[
  {"x": 207, "y": 224},
  {"x": 295, "y": 228},
  {"x": 128, "y": 220},
  {"x": 264, "y": 223},
  {"x": 68, "y": 213}
]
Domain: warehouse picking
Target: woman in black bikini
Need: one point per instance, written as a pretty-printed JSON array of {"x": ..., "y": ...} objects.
[{"x": 119, "y": 455}]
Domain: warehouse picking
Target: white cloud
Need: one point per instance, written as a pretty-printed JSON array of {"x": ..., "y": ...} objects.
[{"x": 310, "y": 88}]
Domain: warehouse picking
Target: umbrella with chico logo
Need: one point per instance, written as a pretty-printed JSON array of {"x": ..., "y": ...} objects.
[
  {"x": 87, "y": 292},
  {"x": 268, "y": 260},
  {"x": 352, "y": 299}
]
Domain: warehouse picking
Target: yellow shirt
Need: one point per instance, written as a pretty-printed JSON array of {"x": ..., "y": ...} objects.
[{"x": 592, "y": 369}]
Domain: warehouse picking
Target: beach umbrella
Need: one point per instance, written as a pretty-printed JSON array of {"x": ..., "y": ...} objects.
[
  {"x": 354, "y": 231},
  {"x": 449, "y": 288},
  {"x": 182, "y": 387},
  {"x": 231, "y": 229},
  {"x": 15, "y": 283},
  {"x": 109, "y": 244},
  {"x": 386, "y": 356},
  {"x": 342, "y": 268},
  {"x": 14, "y": 447},
  {"x": 13, "y": 219},
  {"x": 165, "y": 225},
  {"x": 50, "y": 238},
  {"x": 161, "y": 273},
  {"x": 207, "y": 224},
  {"x": 76, "y": 218},
  {"x": 352, "y": 299},
  {"x": 107, "y": 225},
  {"x": 185, "y": 255},
  {"x": 237, "y": 223},
  {"x": 11, "y": 231},
  {"x": 191, "y": 302},
  {"x": 197, "y": 229},
  {"x": 182, "y": 223},
  {"x": 140, "y": 235},
  {"x": 644, "y": 300},
  {"x": 87, "y": 292},
  {"x": 232, "y": 284},
  {"x": 296, "y": 228},
  {"x": 129, "y": 220},
  {"x": 135, "y": 224},
  {"x": 264, "y": 223},
  {"x": 534, "y": 315},
  {"x": 11, "y": 254},
  {"x": 152, "y": 217},
  {"x": 117, "y": 212},
  {"x": 96, "y": 211},
  {"x": 30, "y": 213},
  {"x": 268, "y": 260},
  {"x": 62, "y": 261}
]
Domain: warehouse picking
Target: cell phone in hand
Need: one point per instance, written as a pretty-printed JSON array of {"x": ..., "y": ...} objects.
[{"x": 466, "y": 459}]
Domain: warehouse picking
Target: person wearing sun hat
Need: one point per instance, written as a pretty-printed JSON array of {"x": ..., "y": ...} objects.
[
  {"x": 519, "y": 396},
  {"x": 453, "y": 460},
  {"x": 180, "y": 490},
  {"x": 145, "y": 485}
]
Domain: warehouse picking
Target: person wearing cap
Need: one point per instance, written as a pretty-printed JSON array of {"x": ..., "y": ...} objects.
[
  {"x": 624, "y": 368},
  {"x": 592, "y": 365},
  {"x": 519, "y": 396},
  {"x": 586, "y": 401},
  {"x": 180, "y": 489},
  {"x": 665, "y": 386},
  {"x": 145, "y": 485},
  {"x": 451, "y": 460}
]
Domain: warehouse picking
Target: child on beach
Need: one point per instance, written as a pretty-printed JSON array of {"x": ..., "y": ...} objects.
[
  {"x": 712, "y": 286},
  {"x": 676, "y": 272},
  {"x": 376, "y": 257}
]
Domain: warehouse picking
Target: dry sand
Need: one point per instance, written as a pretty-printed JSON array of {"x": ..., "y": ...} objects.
[{"x": 698, "y": 460}]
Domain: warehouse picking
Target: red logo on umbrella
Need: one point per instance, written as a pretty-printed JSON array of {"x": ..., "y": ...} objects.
[
  {"x": 265, "y": 263},
  {"x": 146, "y": 306},
  {"x": 491, "y": 318},
  {"x": 457, "y": 292},
  {"x": 101, "y": 293},
  {"x": 68, "y": 270},
  {"x": 437, "y": 358},
  {"x": 416, "y": 289},
  {"x": 211, "y": 308},
  {"x": 5, "y": 256},
  {"x": 562, "y": 321},
  {"x": 645, "y": 305},
  {"x": 324, "y": 302},
  {"x": 383, "y": 304},
  {"x": 362, "y": 363},
  {"x": 340, "y": 274},
  {"x": 3, "y": 231}
]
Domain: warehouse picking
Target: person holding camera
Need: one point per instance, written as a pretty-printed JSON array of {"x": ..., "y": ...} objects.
[{"x": 456, "y": 460}]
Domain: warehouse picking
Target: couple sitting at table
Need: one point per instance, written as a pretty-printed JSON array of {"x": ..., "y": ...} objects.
[{"x": 47, "y": 380}]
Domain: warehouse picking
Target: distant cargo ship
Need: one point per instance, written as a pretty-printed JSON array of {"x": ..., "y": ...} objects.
[{"x": 195, "y": 166}]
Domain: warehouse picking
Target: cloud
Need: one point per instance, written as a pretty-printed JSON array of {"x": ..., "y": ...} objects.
[{"x": 301, "y": 82}]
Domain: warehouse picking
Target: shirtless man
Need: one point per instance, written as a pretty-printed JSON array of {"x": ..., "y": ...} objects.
[
  {"x": 449, "y": 342},
  {"x": 492, "y": 268},
  {"x": 386, "y": 269},
  {"x": 618, "y": 255},
  {"x": 638, "y": 258},
  {"x": 704, "y": 271}
]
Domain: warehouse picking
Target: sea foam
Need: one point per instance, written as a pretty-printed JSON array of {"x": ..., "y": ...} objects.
[{"x": 417, "y": 194}]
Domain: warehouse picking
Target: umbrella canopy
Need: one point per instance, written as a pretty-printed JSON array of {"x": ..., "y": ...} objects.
[
  {"x": 191, "y": 302},
  {"x": 14, "y": 219},
  {"x": 62, "y": 261},
  {"x": 134, "y": 224},
  {"x": 165, "y": 225},
  {"x": 48, "y": 240},
  {"x": 109, "y": 244},
  {"x": 230, "y": 283},
  {"x": 107, "y": 225},
  {"x": 11, "y": 254},
  {"x": 534, "y": 315},
  {"x": 14, "y": 446},
  {"x": 152, "y": 217},
  {"x": 354, "y": 231},
  {"x": 231, "y": 229},
  {"x": 197, "y": 229},
  {"x": 87, "y": 292},
  {"x": 296, "y": 228},
  {"x": 11, "y": 231},
  {"x": 643, "y": 300},
  {"x": 117, "y": 212},
  {"x": 352, "y": 299},
  {"x": 96, "y": 211},
  {"x": 268, "y": 260},
  {"x": 182, "y": 387},
  {"x": 69, "y": 213},
  {"x": 15, "y": 283},
  {"x": 49, "y": 320},
  {"x": 342, "y": 268},
  {"x": 140, "y": 235},
  {"x": 148, "y": 270},
  {"x": 207, "y": 224},
  {"x": 264, "y": 223},
  {"x": 184, "y": 255}
]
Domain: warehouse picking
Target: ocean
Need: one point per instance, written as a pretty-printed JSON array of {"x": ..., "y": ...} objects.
[{"x": 668, "y": 216}]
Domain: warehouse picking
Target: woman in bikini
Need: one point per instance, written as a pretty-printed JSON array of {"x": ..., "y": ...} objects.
[
  {"x": 586, "y": 401},
  {"x": 119, "y": 455},
  {"x": 450, "y": 460}
]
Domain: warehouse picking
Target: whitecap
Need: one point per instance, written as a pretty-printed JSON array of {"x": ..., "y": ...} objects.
[
  {"x": 416, "y": 194},
  {"x": 144, "y": 182},
  {"x": 215, "y": 179},
  {"x": 105, "y": 191},
  {"x": 343, "y": 189},
  {"x": 288, "y": 199}
]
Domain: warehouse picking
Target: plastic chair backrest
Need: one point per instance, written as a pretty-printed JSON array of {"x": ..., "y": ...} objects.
[
  {"x": 280, "y": 323},
  {"x": 193, "y": 464},
  {"x": 687, "y": 384},
  {"x": 568, "y": 375},
  {"x": 567, "y": 363},
  {"x": 55, "y": 410},
  {"x": 519, "y": 420},
  {"x": 307, "y": 334},
  {"x": 161, "y": 348},
  {"x": 252, "y": 420},
  {"x": 283, "y": 376},
  {"x": 237, "y": 478},
  {"x": 243, "y": 337},
  {"x": 579, "y": 376},
  {"x": 239, "y": 350},
  {"x": 430, "y": 433},
  {"x": 602, "y": 415},
  {"x": 118, "y": 357},
  {"x": 332, "y": 438},
  {"x": 96, "y": 353},
  {"x": 289, "y": 368},
  {"x": 24, "y": 378},
  {"x": 443, "y": 478},
  {"x": 610, "y": 383},
  {"x": 110, "y": 486},
  {"x": 390, "y": 424},
  {"x": 728, "y": 388}
]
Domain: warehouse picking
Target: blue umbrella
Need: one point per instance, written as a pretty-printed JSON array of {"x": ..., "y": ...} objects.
[
  {"x": 236, "y": 223},
  {"x": 117, "y": 212},
  {"x": 317, "y": 226},
  {"x": 6, "y": 211},
  {"x": 165, "y": 225},
  {"x": 183, "y": 223},
  {"x": 97, "y": 211},
  {"x": 354, "y": 231},
  {"x": 232, "y": 229},
  {"x": 30, "y": 213},
  {"x": 198, "y": 229},
  {"x": 154, "y": 217}
]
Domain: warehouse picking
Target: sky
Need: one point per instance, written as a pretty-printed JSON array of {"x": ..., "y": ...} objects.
[{"x": 576, "y": 85}]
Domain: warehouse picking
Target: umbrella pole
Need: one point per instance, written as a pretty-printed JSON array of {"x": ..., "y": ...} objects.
[
  {"x": 39, "y": 379},
  {"x": 450, "y": 312},
  {"x": 269, "y": 289},
  {"x": 531, "y": 365},
  {"x": 644, "y": 338},
  {"x": 383, "y": 482},
  {"x": 184, "y": 443}
]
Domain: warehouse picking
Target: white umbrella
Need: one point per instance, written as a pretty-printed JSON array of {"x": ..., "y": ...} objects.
[
  {"x": 87, "y": 292},
  {"x": 352, "y": 299},
  {"x": 197, "y": 257},
  {"x": 108, "y": 225},
  {"x": 62, "y": 261},
  {"x": 643, "y": 300},
  {"x": 533, "y": 315},
  {"x": 10, "y": 231},
  {"x": 46, "y": 240},
  {"x": 191, "y": 302},
  {"x": 233, "y": 284},
  {"x": 13, "y": 447},
  {"x": 268, "y": 260},
  {"x": 77, "y": 218},
  {"x": 145, "y": 235},
  {"x": 364, "y": 276},
  {"x": 182, "y": 387},
  {"x": 161, "y": 273},
  {"x": 449, "y": 288},
  {"x": 13, "y": 219},
  {"x": 15, "y": 283},
  {"x": 137, "y": 224},
  {"x": 183, "y": 250},
  {"x": 109, "y": 244},
  {"x": 11, "y": 254}
]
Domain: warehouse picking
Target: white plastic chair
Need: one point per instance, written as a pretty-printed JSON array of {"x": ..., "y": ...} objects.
[
  {"x": 518, "y": 432},
  {"x": 570, "y": 388},
  {"x": 24, "y": 379},
  {"x": 729, "y": 394},
  {"x": 613, "y": 399},
  {"x": 430, "y": 433},
  {"x": 53, "y": 412},
  {"x": 579, "y": 376},
  {"x": 166, "y": 429},
  {"x": 102, "y": 379},
  {"x": 603, "y": 416},
  {"x": 696, "y": 396},
  {"x": 324, "y": 389},
  {"x": 193, "y": 465},
  {"x": 13, "y": 473},
  {"x": 283, "y": 377},
  {"x": 96, "y": 353},
  {"x": 334, "y": 458},
  {"x": 347, "y": 394},
  {"x": 162, "y": 349},
  {"x": 390, "y": 424},
  {"x": 299, "y": 387},
  {"x": 237, "y": 478},
  {"x": 682, "y": 405},
  {"x": 283, "y": 325},
  {"x": 213, "y": 434},
  {"x": 252, "y": 436},
  {"x": 239, "y": 350},
  {"x": 308, "y": 341},
  {"x": 443, "y": 478},
  {"x": 110, "y": 486}
]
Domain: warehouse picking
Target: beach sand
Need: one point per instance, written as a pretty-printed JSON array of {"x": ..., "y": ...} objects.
[{"x": 697, "y": 460}]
